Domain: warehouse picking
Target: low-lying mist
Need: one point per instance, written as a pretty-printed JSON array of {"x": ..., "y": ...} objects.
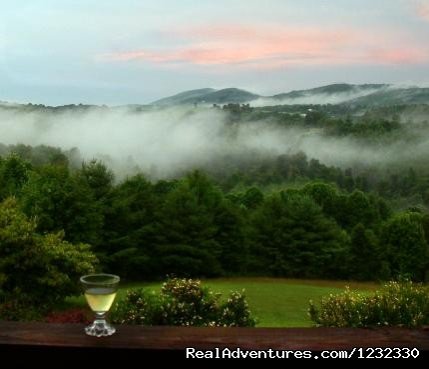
[
  {"x": 164, "y": 142},
  {"x": 310, "y": 97}
]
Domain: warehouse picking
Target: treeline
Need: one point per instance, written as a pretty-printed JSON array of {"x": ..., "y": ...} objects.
[
  {"x": 193, "y": 227},
  {"x": 405, "y": 186},
  {"x": 374, "y": 126}
]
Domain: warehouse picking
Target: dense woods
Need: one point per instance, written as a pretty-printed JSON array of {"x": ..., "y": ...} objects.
[{"x": 318, "y": 221}]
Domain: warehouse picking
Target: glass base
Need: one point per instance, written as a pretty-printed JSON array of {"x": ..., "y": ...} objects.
[{"x": 100, "y": 328}]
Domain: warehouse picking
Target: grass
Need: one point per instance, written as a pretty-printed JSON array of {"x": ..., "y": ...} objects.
[
  {"x": 275, "y": 302},
  {"x": 281, "y": 302}
]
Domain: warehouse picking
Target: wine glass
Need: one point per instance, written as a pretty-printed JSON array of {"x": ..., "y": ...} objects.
[{"x": 100, "y": 291}]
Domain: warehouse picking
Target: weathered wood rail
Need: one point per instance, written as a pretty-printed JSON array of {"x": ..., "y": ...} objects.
[
  {"x": 178, "y": 338},
  {"x": 30, "y": 341}
]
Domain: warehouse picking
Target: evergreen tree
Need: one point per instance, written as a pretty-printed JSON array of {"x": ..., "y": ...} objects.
[
  {"x": 293, "y": 238},
  {"x": 364, "y": 254},
  {"x": 406, "y": 247},
  {"x": 129, "y": 228},
  {"x": 14, "y": 173},
  {"x": 61, "y": 201},
  {"x": 186, "y": 223}
]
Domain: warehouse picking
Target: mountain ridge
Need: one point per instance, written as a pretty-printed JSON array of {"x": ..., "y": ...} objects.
[
  {"x": 346, "y": 94},
  {"x": 333, "y": 88},
  {"x": 208, "y": 95},
  {"x": 370, "y": 94}
]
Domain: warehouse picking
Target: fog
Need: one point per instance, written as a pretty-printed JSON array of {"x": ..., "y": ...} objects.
[
  {"x": 415, "y": 115},
  {"x": 164, "y": 142},
  {"x": 317, "y": 98}
]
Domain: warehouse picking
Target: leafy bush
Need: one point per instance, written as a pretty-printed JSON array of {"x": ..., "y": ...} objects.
[
  {"x": 235, "y": 312},
  {"x": 17, "y": 311},
  {"x": 183, "y": 302},
  {"x": 138, "y": 307},
  {"x": 397, "y": 304},
  {"x": 37, "y": 270}
]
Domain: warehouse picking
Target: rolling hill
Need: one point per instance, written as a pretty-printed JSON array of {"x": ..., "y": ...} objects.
[
  {"x": 371, "y": 95},
  {"x": 334, "y": 89},
  {"x": 353, "y": 95},
  {"x": 393, "y": 96},
  {"x": 187, "y": 97},
  {"x": 208, "y": 96}
]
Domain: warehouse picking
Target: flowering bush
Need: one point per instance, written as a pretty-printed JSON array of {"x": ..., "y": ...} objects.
[
  {"x": 235, "y": 312},
  {"x": 138, "y": 307},
  {"x": 183, "y": 302},
  {"x": 396, "y": 304},
  {"x": 68, "y": 316}
]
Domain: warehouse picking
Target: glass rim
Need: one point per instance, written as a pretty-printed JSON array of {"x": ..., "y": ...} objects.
[{"x": 115, "y": 278}]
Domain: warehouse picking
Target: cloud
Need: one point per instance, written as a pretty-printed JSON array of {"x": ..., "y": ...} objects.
[
  {"x": 404, "y": 55},
  {"x": 422, "y": 9},
  {"x": 228, "y": 44},
  {"x": 273, "y": 47}
]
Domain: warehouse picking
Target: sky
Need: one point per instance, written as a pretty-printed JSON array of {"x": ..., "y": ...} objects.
[{"x": 115, "y": 52}]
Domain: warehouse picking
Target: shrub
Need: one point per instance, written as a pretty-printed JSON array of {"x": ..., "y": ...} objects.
[
  {"x": 37, "y": 270},
  {"x": 138, "y": 307},
  {"x": 16, "y": 311},
  {"x": 183, "y": 302},
  {"x": 396, "y": 304},
  {"x": 235, "y": 312},
  {"x": 68, "y": 316}
]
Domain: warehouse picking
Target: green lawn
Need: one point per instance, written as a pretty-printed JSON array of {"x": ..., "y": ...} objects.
[{"x": 274, "y": 302}]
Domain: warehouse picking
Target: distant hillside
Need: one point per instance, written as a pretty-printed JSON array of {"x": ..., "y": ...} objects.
[
  {"x": 231, "y": 95},
  {"x": 393, "y": 96},
  {"x": 208, "y": 96},
  {"x": 334, "y": 89},
  {"x": 187, "y": 97},
  {"x": 330, "y": 94},
  {"x": 346, "y": 95}
]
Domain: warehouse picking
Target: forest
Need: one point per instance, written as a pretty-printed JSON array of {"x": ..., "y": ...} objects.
[{"x": 239, "y": 213}]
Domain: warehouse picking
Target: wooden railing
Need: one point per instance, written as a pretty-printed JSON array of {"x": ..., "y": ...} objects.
[{"x": 26, "y": 341}]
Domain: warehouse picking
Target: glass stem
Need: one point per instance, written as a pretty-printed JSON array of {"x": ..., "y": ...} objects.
[{"x": 100, "y": 316}]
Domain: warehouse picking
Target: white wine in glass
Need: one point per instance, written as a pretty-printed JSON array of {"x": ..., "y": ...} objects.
[
  {"x": 100, "y": 292},
  {"x": 100, "y": 299}
]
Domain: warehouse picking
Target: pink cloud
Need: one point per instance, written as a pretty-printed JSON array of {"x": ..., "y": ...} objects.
[
  {"x": 274, "y": 47},
  {"x": 398, "y": 56},
  {"x": 422, "y": 9}
]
